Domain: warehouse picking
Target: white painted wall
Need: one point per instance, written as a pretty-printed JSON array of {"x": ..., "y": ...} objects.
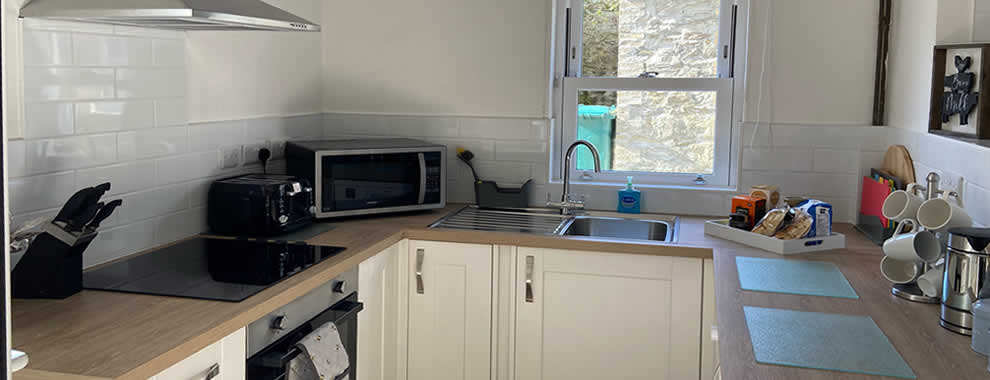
[
  {"x": 441, "y": 57},
  {"x": 820, "y": 65},
  {"x": 917, "y": 26},
  {"x": 237, "y": 75},
  {"x": 912, "y": 42}
]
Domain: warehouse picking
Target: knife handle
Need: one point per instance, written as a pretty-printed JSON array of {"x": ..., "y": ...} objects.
[
  {"x": 104, "y": 213},
  {"x": 81, "y": 219}
]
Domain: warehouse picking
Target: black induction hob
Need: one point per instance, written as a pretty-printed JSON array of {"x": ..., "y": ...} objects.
[{"x": 206, "y": 268}]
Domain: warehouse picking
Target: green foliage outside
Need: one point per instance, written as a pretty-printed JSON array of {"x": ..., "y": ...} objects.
[{"x": 601, "y": 48}]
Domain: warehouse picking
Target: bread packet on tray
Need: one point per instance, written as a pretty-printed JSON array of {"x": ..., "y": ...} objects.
[{"x": 772, "y": 222}]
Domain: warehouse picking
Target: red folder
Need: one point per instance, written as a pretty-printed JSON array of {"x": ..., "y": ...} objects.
[{"x": 874, "y": 193}]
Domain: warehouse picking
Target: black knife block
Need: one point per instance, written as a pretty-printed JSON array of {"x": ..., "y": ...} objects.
[{"x": 52, "y": 266}]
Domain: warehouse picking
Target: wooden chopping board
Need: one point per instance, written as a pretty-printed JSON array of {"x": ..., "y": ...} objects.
[{"x": 898, "y": 162}]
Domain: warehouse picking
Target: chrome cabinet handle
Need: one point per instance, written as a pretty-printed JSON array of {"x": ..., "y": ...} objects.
[
  {"x": 213, "y": 372},
  {"x": 529, "y": 279},
  {"x": 420, "y": 252}
]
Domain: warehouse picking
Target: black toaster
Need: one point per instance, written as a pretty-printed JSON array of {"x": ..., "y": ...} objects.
[{"x": 259, "y": 205}]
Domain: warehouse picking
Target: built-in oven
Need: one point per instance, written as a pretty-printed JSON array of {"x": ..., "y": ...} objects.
[
  {"x": 272, "y": 340},
  {"x": 370, "y": 176}
]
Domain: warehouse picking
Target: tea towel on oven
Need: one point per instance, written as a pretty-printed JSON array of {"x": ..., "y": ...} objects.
[{"x": 323, "y": 356}]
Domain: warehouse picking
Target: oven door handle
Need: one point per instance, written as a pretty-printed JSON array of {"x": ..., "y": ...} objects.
[
  {"x": 422, "y": 178},
  {"x": 347, "y": 310}
]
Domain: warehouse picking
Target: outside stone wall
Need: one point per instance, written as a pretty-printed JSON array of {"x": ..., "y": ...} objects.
[{"x": 667, "y": 131}]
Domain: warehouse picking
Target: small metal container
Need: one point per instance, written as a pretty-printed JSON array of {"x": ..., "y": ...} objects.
[{"x": 967, "y": 267}]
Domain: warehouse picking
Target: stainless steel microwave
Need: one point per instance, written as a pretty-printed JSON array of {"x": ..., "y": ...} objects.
[{"x": 371, "y": 176}]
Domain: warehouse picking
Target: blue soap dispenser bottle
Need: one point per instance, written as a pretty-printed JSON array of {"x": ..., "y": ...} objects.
[{"x": 629, "y": 198}]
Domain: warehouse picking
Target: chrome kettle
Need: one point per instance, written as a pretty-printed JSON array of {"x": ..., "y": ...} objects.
[{"x": 967, "y": 267}]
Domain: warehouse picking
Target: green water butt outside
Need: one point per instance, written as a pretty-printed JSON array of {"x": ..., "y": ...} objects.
[{"x": 596, "y": 124}]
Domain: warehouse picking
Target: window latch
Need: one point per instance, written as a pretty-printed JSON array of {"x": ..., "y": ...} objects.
[{"x": 700, "y": 180}]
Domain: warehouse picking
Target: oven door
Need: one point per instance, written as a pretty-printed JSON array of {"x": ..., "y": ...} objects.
[
  {"x": 272, "y": 362},
  {"x": 377, "y": 181}
]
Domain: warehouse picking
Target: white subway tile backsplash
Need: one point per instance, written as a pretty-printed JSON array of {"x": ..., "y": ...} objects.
[
  {"x": 40, "y": 192},
  {"x": 188, "y": 167},
  {"x": 199, "y": 192},
  {"x": 212, "y": 136},
  {"x": 169, "y": 52},
  {"x": 66, "y": 26},
  {"x": 149, "y": 143},
  {"x": 150, "y": 83},
  {"x": 53, "y": 155},
  {"x": 508, "y": 129},
  {"x": 308, "y": 126},
  {"x": 16, "y": 158},
  {"x": 47, "y": 48},
  {"x": 529, "y": 151},
  {"x": 112, "y": 116},
  {"x": 102, "y": 50},
  {"x": 156, "y": 202},
  {"x": 806, "y": 184},
  {"x": 48, "y": 120},
  {"x": 977, "y": 203},
  {"x": 505, "y": 173},
  {"x": 61, "y": 83},
  {"x": 421, "y": 126},
  {"x": 182, "y": 225},
  {"x": 148, "y": 32},
  {"x": 259, "y": 130},
  {"x": 125, "y": 178},
  {"x": 170, "y": 112},
  {"x": 782, "y": 159},
  {"x": 483, "y": 149},
  {"x": 112, "y": 243},
  {"x": 356, "y": 125},
  {"x": 836, "y": 161}
]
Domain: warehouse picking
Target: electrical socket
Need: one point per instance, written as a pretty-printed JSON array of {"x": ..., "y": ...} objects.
[
  {"x": 251, "y": 153},
  {"x": 277, "y": 148},
  {"x": 230, "y": 156},
  {"x": 951, "y": 182}
]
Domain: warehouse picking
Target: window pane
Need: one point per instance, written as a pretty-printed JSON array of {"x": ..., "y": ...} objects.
[
  {"x": 648, "y": 131},
  {"x": 669, "y": 38}
]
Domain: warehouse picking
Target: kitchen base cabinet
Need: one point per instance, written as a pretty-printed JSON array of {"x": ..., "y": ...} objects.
[
  {"x": 588, "y": 315},
  {"x": 378, "y": 323},
  {"x": 223, "y": 360},
  {"x": 450, "y": 311}
]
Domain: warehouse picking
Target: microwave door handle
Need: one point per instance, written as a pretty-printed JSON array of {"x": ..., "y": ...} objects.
[{"x": 422, "y": 178}]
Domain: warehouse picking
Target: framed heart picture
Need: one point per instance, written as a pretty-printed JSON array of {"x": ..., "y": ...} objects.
[{"x": 960, "y": 73}]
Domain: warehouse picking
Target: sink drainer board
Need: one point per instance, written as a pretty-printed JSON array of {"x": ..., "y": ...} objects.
[
  {"x": 834, "y": 342},
  {"x": 477, "y": 219},
  {"x": 809, "y": 278}
]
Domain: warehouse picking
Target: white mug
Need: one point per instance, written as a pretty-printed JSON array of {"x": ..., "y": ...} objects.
[
  {"x": 900, "y": 271},
  {"x": 930, "y": 283},
  {"x": 919, "y": 245},
  {"x": 940, "y": 214},
  {"x": 902, "y": 204}
]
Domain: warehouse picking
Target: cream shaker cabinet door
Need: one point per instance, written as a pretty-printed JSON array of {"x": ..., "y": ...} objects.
[
  {"x": 450, "y": 311},
  {"x": 223, "y": 360},
  {"x": 378, "y": 326},
  {"x": 588, "y": 315}
]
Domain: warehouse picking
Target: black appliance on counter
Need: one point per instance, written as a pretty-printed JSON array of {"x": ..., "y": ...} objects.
[
  {"x": 371, "y": 176},
  {"x": 207, "y": 268},
  {"x": 259, "y": 205}
]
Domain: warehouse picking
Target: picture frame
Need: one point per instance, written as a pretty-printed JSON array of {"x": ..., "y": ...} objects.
[{"x": 960, "y": 73}]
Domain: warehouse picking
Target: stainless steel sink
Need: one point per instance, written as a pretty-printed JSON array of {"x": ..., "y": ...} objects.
[
  {"x": 622, "y": 228},
  {"x": 550, "y": 222}
]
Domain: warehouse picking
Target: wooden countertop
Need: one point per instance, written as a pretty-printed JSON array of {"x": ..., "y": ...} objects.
[{"x": 105, "y": 335}]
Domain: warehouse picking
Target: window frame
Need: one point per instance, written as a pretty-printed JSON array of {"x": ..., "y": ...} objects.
[{"x": 567, "y": 82}]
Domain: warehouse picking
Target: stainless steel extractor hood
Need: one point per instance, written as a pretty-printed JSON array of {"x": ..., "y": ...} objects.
[{"x": 172, "y": 14}]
